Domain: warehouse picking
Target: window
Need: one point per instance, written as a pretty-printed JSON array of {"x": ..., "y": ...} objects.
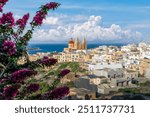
[{"x": 117, "y": 84}]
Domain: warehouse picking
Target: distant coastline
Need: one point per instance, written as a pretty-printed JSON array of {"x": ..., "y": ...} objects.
[{"x": 43, "y": 47}]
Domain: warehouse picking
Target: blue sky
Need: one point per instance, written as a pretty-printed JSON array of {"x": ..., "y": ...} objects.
[{"x": 97, "y": 20}]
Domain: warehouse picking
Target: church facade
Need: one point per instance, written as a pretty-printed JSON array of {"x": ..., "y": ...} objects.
[{"x": 76, "y": 45}]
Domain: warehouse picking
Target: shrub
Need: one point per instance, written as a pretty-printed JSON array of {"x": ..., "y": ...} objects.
[{"x": 13, "y": 47}]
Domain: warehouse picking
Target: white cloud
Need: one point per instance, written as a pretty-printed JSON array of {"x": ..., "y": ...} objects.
[
  {"x": 91, "y": 29},
  {"x": 143, "y": 25},
  {"x": 17, "y": 17},
  {"x": 51, "y": 21}
]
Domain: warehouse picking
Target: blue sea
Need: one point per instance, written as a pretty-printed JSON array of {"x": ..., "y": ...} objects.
[{"x": 59, "y": 47}]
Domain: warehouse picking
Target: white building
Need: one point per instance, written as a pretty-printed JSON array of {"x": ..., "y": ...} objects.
[
  {"x": 148, "y": 73},
  {"x": 147, "y": 54},
  {"x": 97, "y": 58},
  {"x": 109, "y": 73},
  {"x": 103, "y": 65}
]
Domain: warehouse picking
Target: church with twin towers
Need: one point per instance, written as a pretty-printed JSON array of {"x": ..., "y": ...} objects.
[{"x": 76, "y": 44}]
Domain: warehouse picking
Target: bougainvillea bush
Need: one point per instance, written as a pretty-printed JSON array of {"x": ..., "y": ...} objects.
[{"x": 14, "y": 77}]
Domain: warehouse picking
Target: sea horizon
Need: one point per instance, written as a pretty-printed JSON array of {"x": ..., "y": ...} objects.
[{"x": 58, "y": 47}]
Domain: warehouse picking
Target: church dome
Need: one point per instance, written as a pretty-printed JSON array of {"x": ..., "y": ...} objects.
[{"x": 71, "y": 41}]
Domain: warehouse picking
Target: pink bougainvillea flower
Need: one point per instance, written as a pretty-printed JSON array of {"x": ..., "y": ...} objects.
[
  {"x": 38, "y": 18},
  {"x": 10, "y": 91},
  {"x": 33, "y": 87},
  {"x": 9, "y": 47},
  {"x": 57, "y": 93},
  {"x": 22, "y": 22},
  {"x": 64, "y": 72},
  {"x": 8, "y": 19},
  {"x": 21, "y": 75},
  {"x": 2, "y": 3},
  {"x": 48, "y": 61}
]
